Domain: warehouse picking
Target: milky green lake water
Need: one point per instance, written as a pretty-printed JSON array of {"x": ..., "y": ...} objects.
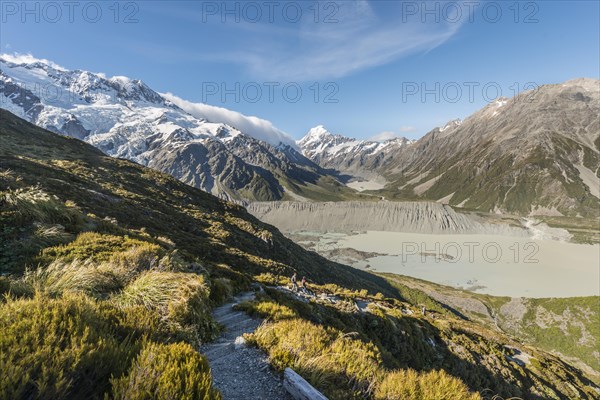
[{"x": 496, "y": 265}]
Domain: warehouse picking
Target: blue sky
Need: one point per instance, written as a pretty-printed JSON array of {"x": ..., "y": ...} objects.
[{"x": 362, "y": 66}]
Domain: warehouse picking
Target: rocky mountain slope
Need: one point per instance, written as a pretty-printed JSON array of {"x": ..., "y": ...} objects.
[
  {"x": 111, "y": 270},
  {"x": 537, "y": 153},
  {"x": 125, "y": 118}
]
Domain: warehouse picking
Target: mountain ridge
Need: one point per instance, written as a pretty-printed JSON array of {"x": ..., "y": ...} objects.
[
  {"x": 126, "y": 118},
  {"x": 535, "y": 154}
]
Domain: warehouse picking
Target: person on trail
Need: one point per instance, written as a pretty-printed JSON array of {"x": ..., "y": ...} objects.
[
  {"x": 294, "y": 284},
  {"x": 304, "y": 288}
]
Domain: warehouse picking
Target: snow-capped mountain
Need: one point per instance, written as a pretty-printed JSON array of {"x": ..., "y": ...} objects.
[
  {"x": 362, "y": 158},
  {"x": 536, "y": 153},
  {"x": 126, "y": 118}
]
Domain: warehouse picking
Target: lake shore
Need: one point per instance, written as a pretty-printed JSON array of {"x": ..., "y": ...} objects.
[{"x": 491, "y": 264}]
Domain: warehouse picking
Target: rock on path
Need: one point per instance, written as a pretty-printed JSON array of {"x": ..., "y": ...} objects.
[{"x": 241, "y": 372}]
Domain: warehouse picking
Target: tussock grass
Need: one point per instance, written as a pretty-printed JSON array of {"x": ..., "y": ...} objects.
[
  {"x": 85, "y": 276},
  {"x": 433, "y": 385},
  {"x": 172, "y": 371},
  {"x": 139, "y": 257},
  {"x": 157, "y": 290},
  {"x": 181, "y": 300},
  {"x": 104, "y": 247},
  {"x": 48, "y": 234},
  {"x": 8, "y": 176},
  {"x": 337, "y": 363},
  {"x": 32, "y": 203}
]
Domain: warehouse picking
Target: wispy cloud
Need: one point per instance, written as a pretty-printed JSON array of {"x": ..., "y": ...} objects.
[
  {"x": 363, "y": 36},
  {"x": 360, "y": 39},
  {"x": 253, "y": 126},
  {"x": 406, "y": 129},
  {"x": 388, "y": 135},
  {"x": 383, "y": 136}
]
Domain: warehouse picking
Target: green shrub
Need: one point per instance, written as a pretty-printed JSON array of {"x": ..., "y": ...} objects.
[
  {"x": 268, "y": 309},
  {"x": 269, "y": 279},
  {"x": 299, "y": 338},
  {"x": 4, "y": 285},
  {"x": 21, "y": 241},
  {"x": 101, "y": 247},
  {"x": 166, "y": 372},
  {"x": 174, "y": 261},
  {"x": 433, "y": 385},
  {"x": 340, "y": 366},
  {"x": 181, "y": 300},
  {"x": 353, "y": 359},
  {"x": 221, "y": 290},
  {"x": 60, "y": 348}
]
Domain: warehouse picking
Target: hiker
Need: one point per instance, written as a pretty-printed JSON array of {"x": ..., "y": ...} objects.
[
  {"x": 294, "y": 284},
  {"x": 304, "y": 288},
  {"x": 423, "y": 310}
]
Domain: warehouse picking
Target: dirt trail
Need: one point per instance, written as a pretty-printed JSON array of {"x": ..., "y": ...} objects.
[{"x": 241, "y": 372}]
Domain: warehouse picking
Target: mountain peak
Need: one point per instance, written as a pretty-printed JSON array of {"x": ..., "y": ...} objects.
[
  {"x": 587, "y": 83},
  {"x": 315, "y": 135},
  {"x": 319, "y": 131},
  {"x": 451, "y": 124},
  {"x": 218, "y": 150}
]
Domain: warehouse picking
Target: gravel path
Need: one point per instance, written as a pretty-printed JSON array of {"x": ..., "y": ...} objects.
[{"x": 241, "y": 372}]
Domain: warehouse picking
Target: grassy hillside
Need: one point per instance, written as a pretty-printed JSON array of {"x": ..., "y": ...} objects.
[
  {"x": 53, "y": 180},
  {"x": 109, "y": 271},
  {"x": 393, "y": 351},
  {"x": 567, "y": 326}
]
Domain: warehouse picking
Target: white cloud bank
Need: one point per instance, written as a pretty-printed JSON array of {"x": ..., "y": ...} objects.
[
  {"x": 258, "y": 128},
  {"x": 18, "y": 58}
]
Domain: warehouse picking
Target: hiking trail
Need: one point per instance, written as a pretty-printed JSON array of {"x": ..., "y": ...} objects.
[{"x": 240, "y": 371}]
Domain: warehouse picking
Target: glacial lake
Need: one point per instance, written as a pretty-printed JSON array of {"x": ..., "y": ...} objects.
[{"x": 496, "y": 265}]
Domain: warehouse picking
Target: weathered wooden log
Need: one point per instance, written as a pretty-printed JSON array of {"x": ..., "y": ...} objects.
[{"x": 299, "y": 388}]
